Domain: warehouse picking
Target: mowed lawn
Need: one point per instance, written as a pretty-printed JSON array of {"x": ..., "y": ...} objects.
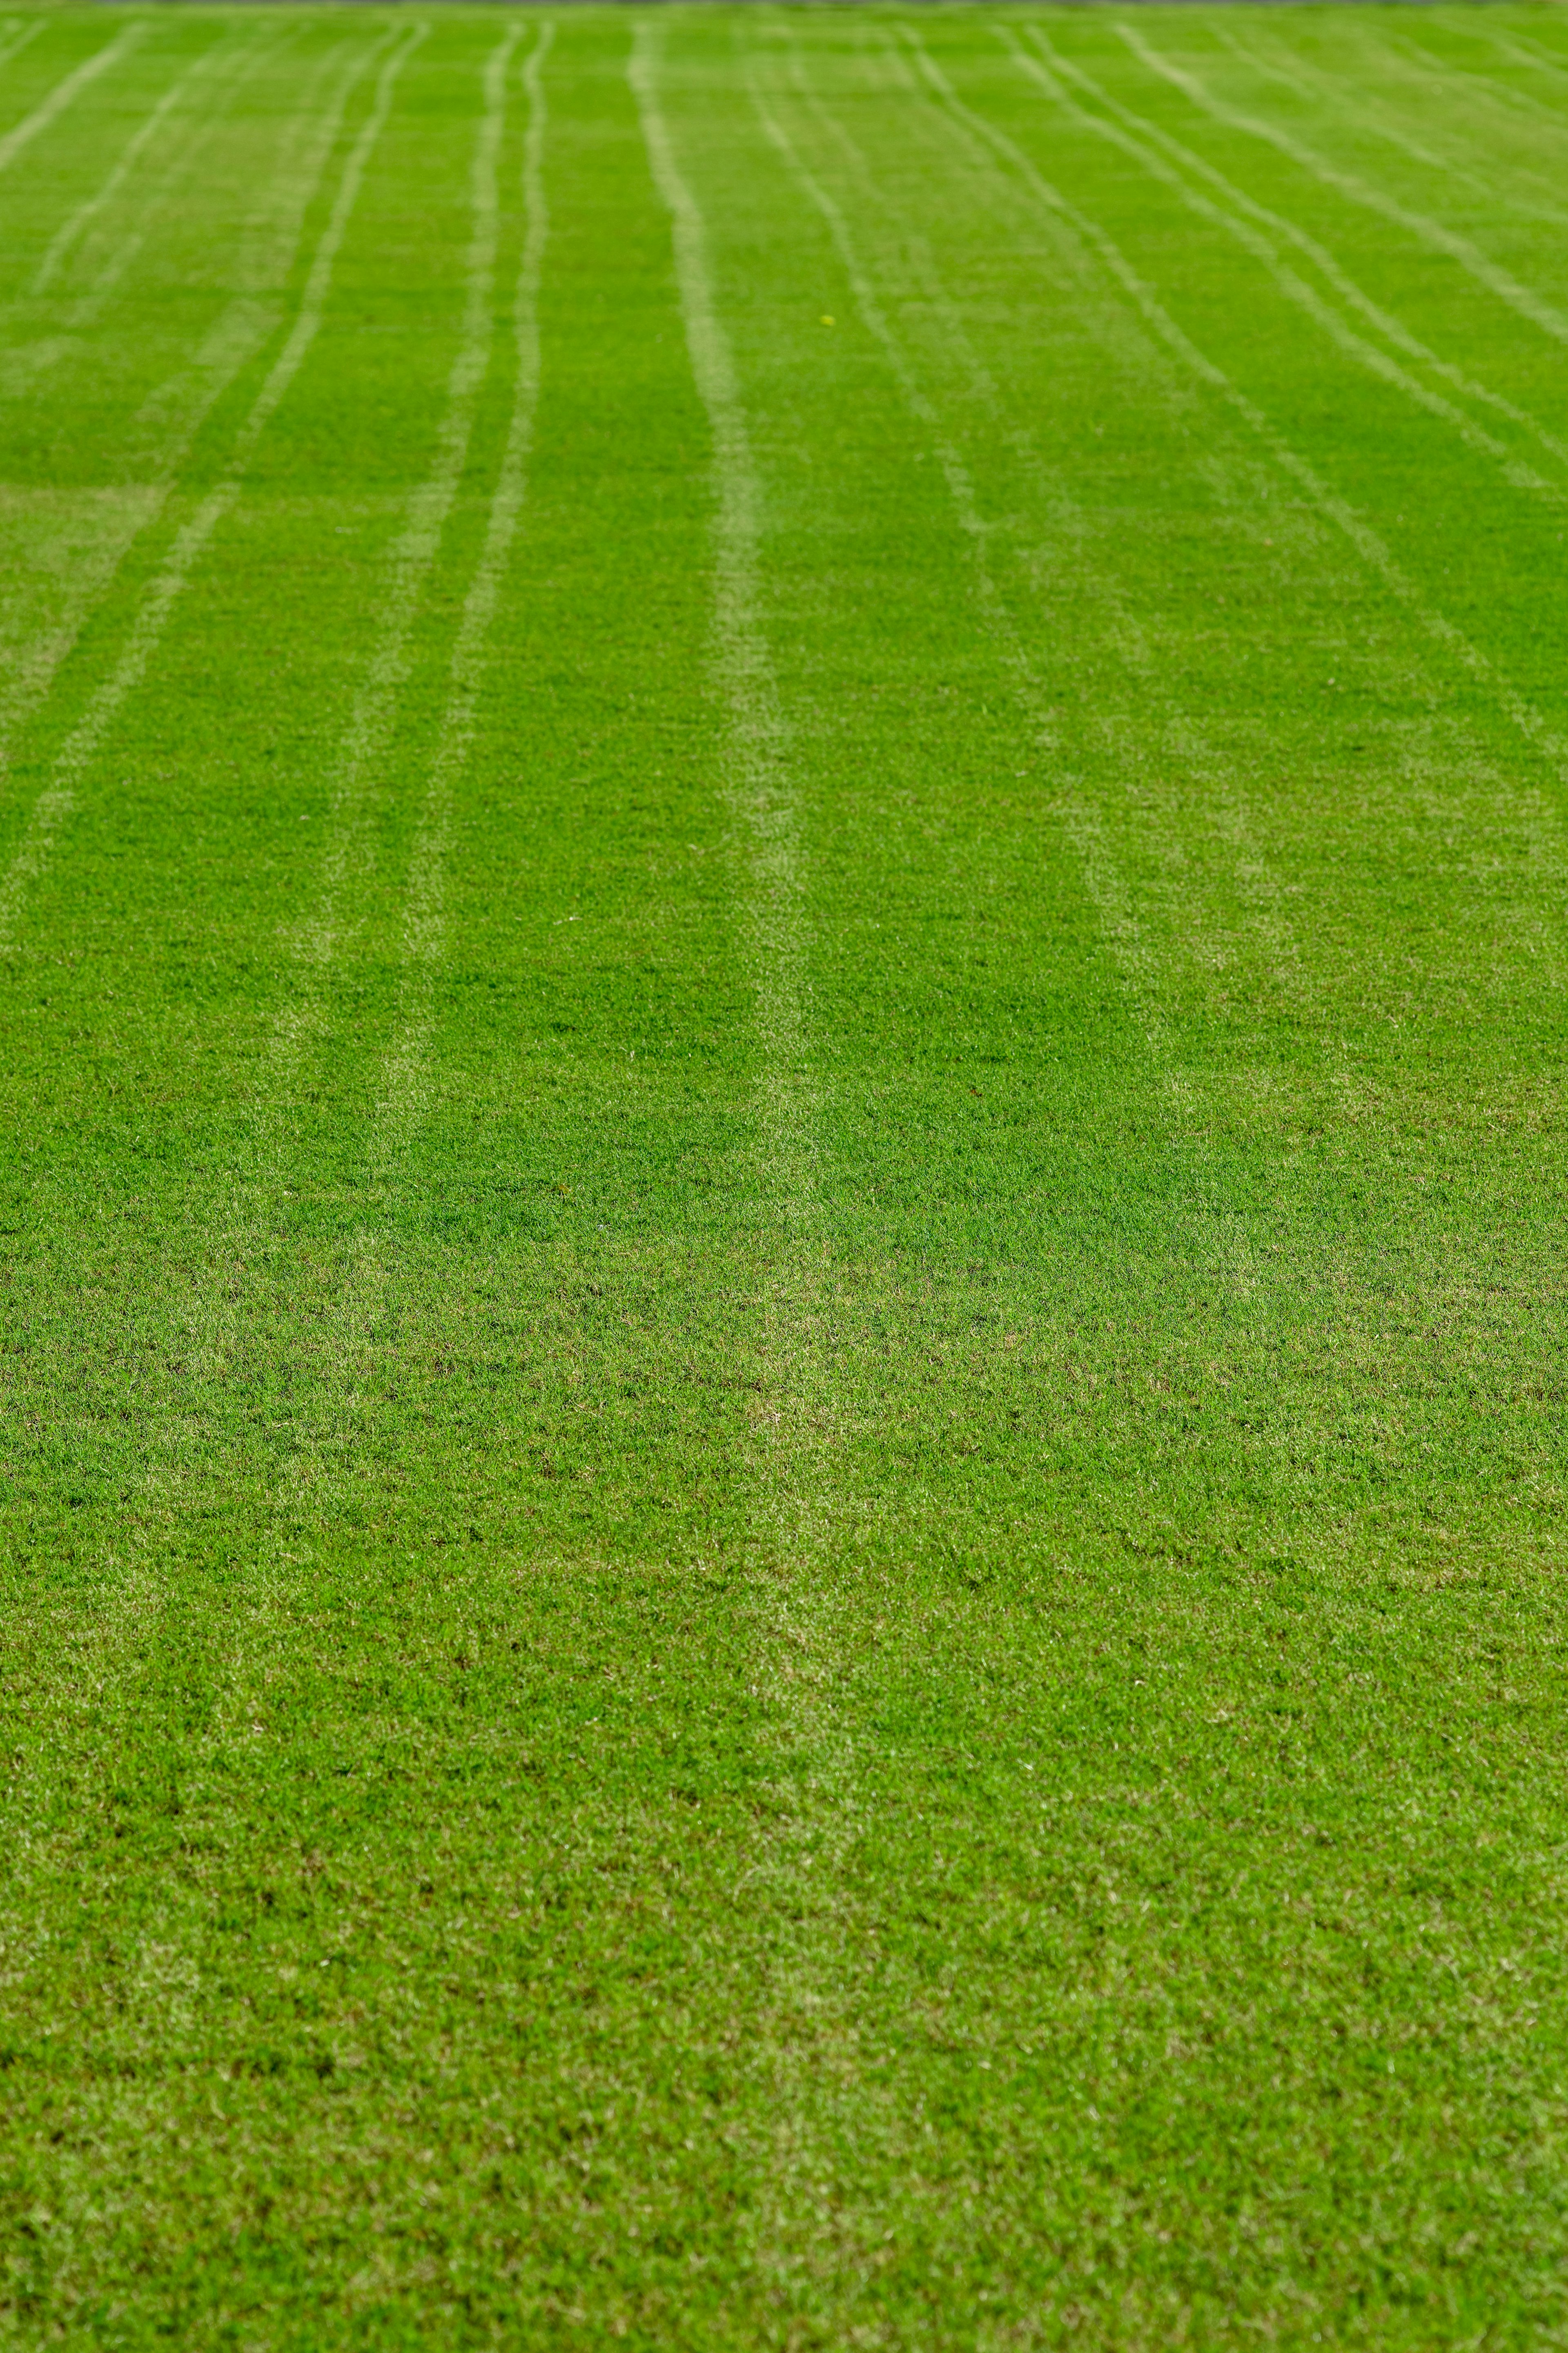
[{"x": 783, "y": 872}]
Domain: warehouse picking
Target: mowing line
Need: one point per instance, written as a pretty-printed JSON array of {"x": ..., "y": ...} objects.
[
  {"x": 176, "y": 410},
  {"x": 64, "y": 92},
  {"x": 1104, "y": 879},
  {"x": 211, "y": 1311},
  {"x": 1299, "y": 78},
  {"x": 1523, "y": 812},
  {"x": 1138, "y": 964},
  {"x": 131, "y": 1594},
  {"x": 1124, "y": 632},
  {"x": 179, "y": 165},
  {"x": 759, "y": 789},
  {"x": 410, "y": 559},
  {"x": 213, "y": 1306},
  {"x": 800, "y": 1642},
  {"x": 55, "y": 805},
  {"x": 1433, "y": 234},
  {"x": 758, "y": 793},
  {"x": 269, "y": 249},
  {"x": 1372, "y": 551},
  {"x": 219, "y": 55},
  {"x": 14, "y": 38},
  {"x": 1135, "y": 142},
  {"x": 1522, "y": 51},
  {"x": 1393, "y": 59},
  {"x": 1222, "y": 1240},
  {"x": 1402, "y": 56},
  {"x": 402, "y": 1090}
]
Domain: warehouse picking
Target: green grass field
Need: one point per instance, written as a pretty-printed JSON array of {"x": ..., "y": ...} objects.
[{"x": 783, "y": 878}]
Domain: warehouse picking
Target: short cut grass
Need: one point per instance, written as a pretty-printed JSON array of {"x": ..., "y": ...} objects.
[{"x": 782, "y": 880}]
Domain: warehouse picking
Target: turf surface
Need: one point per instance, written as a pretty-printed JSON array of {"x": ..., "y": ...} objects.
[{"x": 781, "y": 874}]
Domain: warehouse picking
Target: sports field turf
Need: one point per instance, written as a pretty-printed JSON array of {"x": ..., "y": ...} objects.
[{"x": 783, "y": 879}]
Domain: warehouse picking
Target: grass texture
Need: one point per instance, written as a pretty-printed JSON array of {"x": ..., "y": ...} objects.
[{"x": 782, "y": 889}]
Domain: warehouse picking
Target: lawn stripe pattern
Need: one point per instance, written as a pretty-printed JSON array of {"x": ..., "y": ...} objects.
[
  {"x": 1523, "y": 478},
  {"x": 16, "y": 36},
  {"x": 173, "y": 415},
  {"x": 217, "y": 1308},
  {"x": 1106, "y": 884},
  {"x": 67, "y": 89},
  {"x": 81, "y": 748},
  {"x": 412, "y": 554},
  {"x": 758, "y": 787},
  {"x": 1381, "y": 61},
  {"x": 1433, "y": 234},
  {"x": 402, "y": 1090},
  {"x": 1451, "y": 82},
  {"x": 781, "y": 1425},
  {"x": 409, "y": 564},
  {"x": 227, "y": 56},
  {"x": 1374, "y": 552},
  {"x": 798, "y": 1635}
]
